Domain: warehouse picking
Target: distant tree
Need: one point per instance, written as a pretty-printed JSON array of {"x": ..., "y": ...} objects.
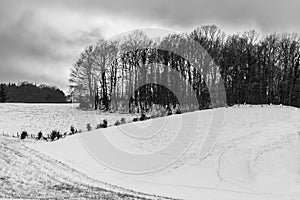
[
  {"x": 26, "y": 92},
  {"x": 3, "y": 95}
]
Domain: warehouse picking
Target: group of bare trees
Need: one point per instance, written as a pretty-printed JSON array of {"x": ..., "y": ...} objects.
[
  {"x": 260, "y": 71},
  {"x": 139, "y": 72}
]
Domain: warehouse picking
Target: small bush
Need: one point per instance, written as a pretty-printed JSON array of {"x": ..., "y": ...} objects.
[
  {"x": 123, "y": 120},
  {"x": 143, "y": 117},
  {"x": 103, "y": 124},
  {"x": 89, "y": 127},
  {"x": 58, "y": 136},
  {"x": 40, "y": 135},
  {"x": 178, "y": 111},
  {"x": 72, "y": 130},
  {"x": 24, "y": 134},
  {"x": 54, "y": 135},
  {"x": 117, "y": 123},
  {"x": 135, "y": 119}
]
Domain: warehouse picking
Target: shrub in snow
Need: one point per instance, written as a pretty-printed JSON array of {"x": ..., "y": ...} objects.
[
  {"x": 54, "y": 135},
  {"x": 123, "y": 120},
  {"x": 88, "y": 127},
  {"x": 103, "y": 124},
  {"x": 58, "y": 136},
  {"x": 24, "y": 134},
  {"x": 178, "y": 111},
  {"x": 40, "y": 135},
  {"x": 117, "y": 123},
  {"x": 143, "y": 117},
  {"x": 135, "y": 119},
  {"x": 73, "y": 130}
]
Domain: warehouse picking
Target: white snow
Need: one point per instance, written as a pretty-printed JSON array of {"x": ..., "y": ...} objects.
[
  {"x": 257, "y": 155},
  {"x": 18, "y": 117}
]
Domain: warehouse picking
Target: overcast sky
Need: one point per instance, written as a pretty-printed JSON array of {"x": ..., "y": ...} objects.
[{"x": 41, "y": 39}]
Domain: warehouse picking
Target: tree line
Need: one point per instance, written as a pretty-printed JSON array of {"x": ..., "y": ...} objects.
[
  {"x": 26, "y": 92},
  {"x": 144, "y": 72}
]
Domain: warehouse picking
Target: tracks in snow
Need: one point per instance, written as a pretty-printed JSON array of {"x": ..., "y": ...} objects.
[{"x": 26, "y": 173}]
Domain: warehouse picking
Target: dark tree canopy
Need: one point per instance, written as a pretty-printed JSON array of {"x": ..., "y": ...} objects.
[
  {"x": 149, "y": 94},
  {"x": 31, "y": 93},
  {"x": 3, "y": 95}
]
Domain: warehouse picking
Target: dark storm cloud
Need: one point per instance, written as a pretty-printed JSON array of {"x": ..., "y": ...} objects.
[{"x": 40, "y": 40}]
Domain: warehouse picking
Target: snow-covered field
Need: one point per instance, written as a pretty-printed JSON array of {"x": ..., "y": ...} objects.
[
  {"x": 17, "y": 117},
  {"x": 29, "y": 174},
  {"x": 257, "y": 155}
]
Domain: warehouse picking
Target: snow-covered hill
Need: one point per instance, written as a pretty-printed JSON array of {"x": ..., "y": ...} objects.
[
  {"x": 29, "y": 174},
  {"x": 257, "y": 155}
]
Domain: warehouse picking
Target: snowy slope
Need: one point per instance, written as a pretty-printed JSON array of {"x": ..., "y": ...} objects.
[
  {"x": 257, "y": 155},
  {"x": 29, "y": 174}
]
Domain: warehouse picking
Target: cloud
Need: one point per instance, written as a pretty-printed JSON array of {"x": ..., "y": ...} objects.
[
  {"x": 41, "y": 39},
  {"x": 33, "y": 49},
  {"x": 268, "y": 15}
]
